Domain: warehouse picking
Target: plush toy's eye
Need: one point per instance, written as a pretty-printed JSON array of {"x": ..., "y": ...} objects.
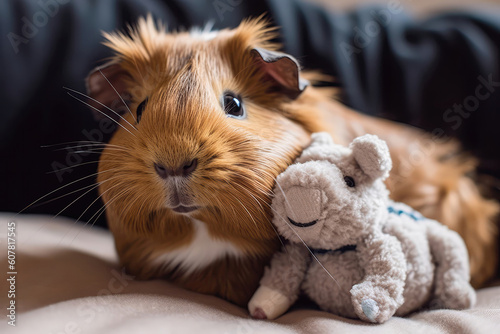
[
  {"x": 233, "y": 105},
  {"x": 140, "y": 109},
  {"x": 349, "y": 181}
]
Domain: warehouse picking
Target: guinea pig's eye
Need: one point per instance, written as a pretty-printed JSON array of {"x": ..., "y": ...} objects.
[
  {"x": 233, "y": 105},
  {"x": 140, "y": 109},
  {"x": 349, "y": 181}
]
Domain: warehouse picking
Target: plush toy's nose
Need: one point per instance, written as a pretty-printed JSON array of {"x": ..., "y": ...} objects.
[{"x": 303, "y": 205}]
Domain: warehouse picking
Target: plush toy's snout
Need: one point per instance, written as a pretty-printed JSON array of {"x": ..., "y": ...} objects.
[
  {"x": 303, "y": 206},
  {"x": 300, "y": 190},
  {"x": 300, "y": 199}
]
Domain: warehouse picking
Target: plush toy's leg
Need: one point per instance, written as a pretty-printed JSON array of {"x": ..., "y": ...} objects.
[
  {"x": 452, "y": 287},
  {"x": 380, "y": 294},
  {"x": 267, "y": 303},
  {"x": 280, "y": 285}
]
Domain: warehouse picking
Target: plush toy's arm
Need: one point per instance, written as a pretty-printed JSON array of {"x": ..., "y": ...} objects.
[
  {"x": 452, "y": 287},
  {"x": 280, "y": 285},
  {"x": 380, "y": 294}
]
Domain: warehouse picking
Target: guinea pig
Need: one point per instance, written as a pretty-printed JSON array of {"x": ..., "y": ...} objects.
[{"x": 211, "y": 118}]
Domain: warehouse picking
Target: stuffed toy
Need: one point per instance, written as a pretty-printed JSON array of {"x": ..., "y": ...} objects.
[{"x": 351, "y": 249}]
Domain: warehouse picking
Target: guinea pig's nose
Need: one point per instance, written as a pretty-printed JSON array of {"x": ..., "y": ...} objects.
[
  {"x": 189, "y": 167},
  {"x": 184, "y": 170}
]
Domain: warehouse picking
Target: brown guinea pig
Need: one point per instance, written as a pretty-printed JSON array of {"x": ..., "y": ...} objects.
[{"x": 214, "y": 117}]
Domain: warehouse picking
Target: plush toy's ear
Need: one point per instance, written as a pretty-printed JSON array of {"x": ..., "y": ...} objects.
[
  {"x": 320, "y": 139},
  {"x": 320, "y": 148},
  {"x": 106, "y": 84},
  {"x": 372, "y": 155},
  {"x": 282, "y": 70}
]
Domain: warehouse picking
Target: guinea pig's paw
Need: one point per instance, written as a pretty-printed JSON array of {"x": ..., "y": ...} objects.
[
  {"x": 268, "y": 303},
  {"x": 457, "y": 295},
  {"x": 372, "y": 304}
]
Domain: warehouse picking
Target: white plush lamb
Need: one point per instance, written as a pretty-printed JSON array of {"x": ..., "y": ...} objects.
[{"x": 366, "y": 255}]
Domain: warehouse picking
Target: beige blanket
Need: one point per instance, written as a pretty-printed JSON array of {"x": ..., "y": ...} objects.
[{"x": 68, "y": 281}]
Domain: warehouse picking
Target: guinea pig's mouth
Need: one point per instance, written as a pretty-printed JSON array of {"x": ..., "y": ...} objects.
[
  {"x": 293, "y": 222},
  {"x": 185, "y": 209}
]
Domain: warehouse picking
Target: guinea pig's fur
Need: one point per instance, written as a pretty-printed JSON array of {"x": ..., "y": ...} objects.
[{"x": 222, "y": 247}]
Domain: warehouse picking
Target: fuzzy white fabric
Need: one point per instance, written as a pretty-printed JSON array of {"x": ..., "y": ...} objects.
[
  {"x": 335, "y": 197},
  {"x": 76, "y": 286}
]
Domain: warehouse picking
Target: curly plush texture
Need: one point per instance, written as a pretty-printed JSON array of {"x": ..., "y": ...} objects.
[{"x": 350, "y": 248}]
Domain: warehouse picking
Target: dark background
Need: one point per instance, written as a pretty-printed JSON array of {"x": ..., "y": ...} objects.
[{"x": 411, "y": 70}]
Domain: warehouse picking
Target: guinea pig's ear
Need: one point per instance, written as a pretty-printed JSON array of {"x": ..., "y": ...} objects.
[
  {"x": 106, "y": 85},
  {"x": 372, "y": 155},
  {"x": 282, "y": 70}
]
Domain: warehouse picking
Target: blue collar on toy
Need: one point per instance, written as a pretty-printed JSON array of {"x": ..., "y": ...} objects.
[
  {"x": 413, "y": 215},
  {"x": 341, "y": 250}
]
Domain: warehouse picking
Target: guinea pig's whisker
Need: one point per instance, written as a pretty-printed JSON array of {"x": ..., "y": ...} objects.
[
  {"x": 130, "y": 206},
  {"x": 254, "y": 198},
  {"x": 105, "y": 206},
  {"x": 111, "y": 118},
  {"x": 64, "y": 186},
  {"x": 309, "y": 249},
  {"x": 95, "y": 200},
  {"x": 259, "y": 187},
  {"x": 105, "y": 106},
  {"x": 218, "y": 202},
  {"x": 99, "y": 150},
  {"x": 126, "y": 106},
  {"x": 138, "y": 213},
  {"x": 109, "y": 148},
  {"x": 80, "y": 147},
  {"x": 82, "y": 164},
  {"x": 102, "y": 209},
  {"x": 231, "y": 206},
  {"x": 246, "y": 190},
  {"x": 67, "y": 206},
  {"x": 275, "y": 230},
  {"x": 87, "y": 152},
  {"x": 94, "y": 186},
  {"x": 92, "y": 146},
  {"x": 74, "y": 142},
  {"x": 45, "y": 223},
  {"x": 273, "y": 154},
  {"x": 72, "y": 166},
  {"x": 286, "y": 199},
  {"x": 244, "y": 207},
  {"x": 88, "y": 207},
  {"x": 117, "y": 146},
  {"x": 263, "y": 171},
  {"x": 272, "y": 226},
  {"x": 295, "y": 232},
  {"x": 62, "y": 196}
]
